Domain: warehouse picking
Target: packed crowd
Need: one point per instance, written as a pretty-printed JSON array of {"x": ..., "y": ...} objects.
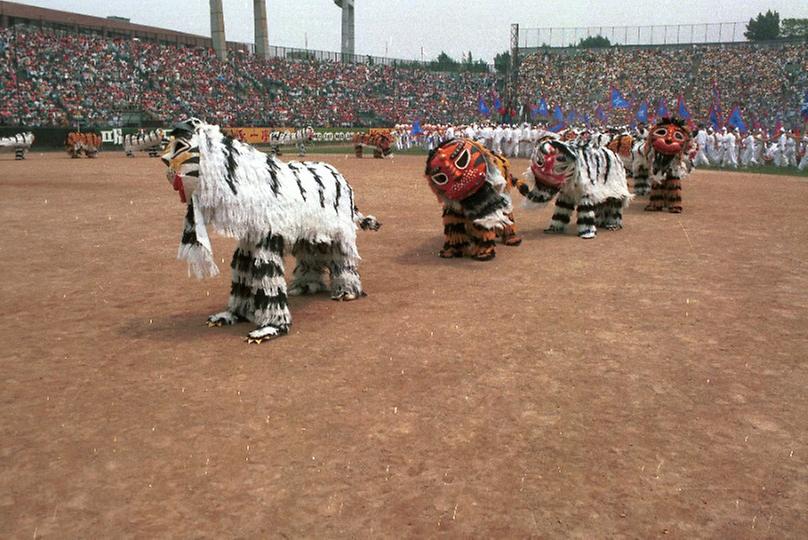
[
  {"x": 47, "y": 79},
  {"x": 53, "y": 79},
  {"x": 767, "y": 82}
]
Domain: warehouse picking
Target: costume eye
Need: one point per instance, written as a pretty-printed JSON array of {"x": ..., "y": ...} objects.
[
  {"x": 661, "y": 132},
  {"x": 463, "y": 160},
  {"x": 679, "y": 136},
  {"x": 440, "y": 178},
  {"x": 561, "y": 158},
  {"x": 539, "y": 159}
]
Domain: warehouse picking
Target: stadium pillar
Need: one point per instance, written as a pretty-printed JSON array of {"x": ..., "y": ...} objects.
[
  {"x": 347, "y": 7},
  {"x": 261, "y": 35},
  {"x": 217, "y": 29}
]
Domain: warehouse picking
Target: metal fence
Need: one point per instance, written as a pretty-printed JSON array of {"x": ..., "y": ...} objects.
[{"x": 668, "y": 34}]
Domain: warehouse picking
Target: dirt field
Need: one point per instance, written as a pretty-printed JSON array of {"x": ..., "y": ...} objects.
[{"x": 649, "y": 382}]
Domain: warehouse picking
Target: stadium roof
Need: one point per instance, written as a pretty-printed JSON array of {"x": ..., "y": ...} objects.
[{"x": 12, "y": 13}]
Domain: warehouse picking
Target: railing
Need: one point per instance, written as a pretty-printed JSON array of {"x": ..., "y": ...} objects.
[{"x": 668, "y": 34}]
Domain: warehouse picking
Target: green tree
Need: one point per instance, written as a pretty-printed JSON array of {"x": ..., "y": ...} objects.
[
  {"x": 763, "y": 27},
  {"x": 502, "y": 62},
  {"x": 592, "y": 42},
  {"x": 794, "y": 28}
]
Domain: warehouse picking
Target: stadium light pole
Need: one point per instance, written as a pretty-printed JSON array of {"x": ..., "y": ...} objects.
[
  {"x": 261, "y": 32},
  {"x": 347, "y": 49},
  {"x": 217, "y": 29}
]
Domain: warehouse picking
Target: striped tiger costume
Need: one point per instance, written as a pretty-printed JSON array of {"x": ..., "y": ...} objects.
[
  {"x": 622, "y": 145},
  {"x": 150, "y": 142},
  {"x": 582, "y": 177},
  {"x": 270, "y": 207},
  {"x": 381, "y": 142},
  {"x": 472, "y": 183},
  {"x": 87, "y": 143},
  {"x": 19, "y": 143},
  {"x": 667, "y": 150}
]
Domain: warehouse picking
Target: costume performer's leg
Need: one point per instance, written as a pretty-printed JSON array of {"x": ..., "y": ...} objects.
[
  {"x": 271, "y": 314},
  {"x": 482, "y": 241},
  {"x": 358, "y": 150},
  {"x": 508, "y": 233},
  {"x": 239, "y": 306},
  {"x": 345, "y": 282},
  {"x": 657, "y": 198},
  {"x": 454, "y": 231},
  {"x": 641, "y": 184},
  {"x": 673, "y": 195},
  {"x": 311, "y": 264},
  {"x": 561, "y": 215},
  {"x": 586, "y": 218},
  {"x": 610, "y": 214}
]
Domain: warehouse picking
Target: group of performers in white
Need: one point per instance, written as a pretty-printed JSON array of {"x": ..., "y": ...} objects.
[{"x": 725, "y": 147}]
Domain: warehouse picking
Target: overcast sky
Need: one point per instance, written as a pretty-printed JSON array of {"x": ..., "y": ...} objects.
[{"x": 402, "y": 27}]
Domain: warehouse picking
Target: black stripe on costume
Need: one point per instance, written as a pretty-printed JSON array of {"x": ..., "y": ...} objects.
[
  {"x": 296, "y": 172},
  {"x": 263, "y": 302},
  {"x": 189, "y": 231},
  {"x": 273, "y": 243},
  {"x": 337, "y": 184},
  {"x": 482, "y": 202},
  {"x": 242, "y": 261},
  {"x": 320, "y": 186},
  {"x": 240, "y": 290},
  {"x": 273, "y": 168},
  {"x": 456, "y": 228},
  {"x": 231, "y": 164},
  {"x": 562, "y": 217},
  {"x": 608, "y": 165},
  {"x": 565, "y": 205},
  {"x": 266, "y": 269},
  {"x": 586, "y": 220}
]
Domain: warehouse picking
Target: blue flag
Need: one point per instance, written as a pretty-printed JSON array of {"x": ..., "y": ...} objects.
[
  {"x": 484, "y": 108},
  {"x": 558, "y": 116},
  {"x": 617, "y": 100},
  {"x": 681, "y": 107},
  {"x": 587, "y": 123},
  {"x": 543, "y": 109},
  {"x": 662, "y": 108},
  {"x": 571, "y": 117},
  {"x": 642, "y": 113},
  {"x": 804, "y": 107},
  {"x": 498, "y": 105},
  {"x": 416, "y": 128},
  {"x": 600, "y": 114},
  {"x": 735, "y": 119},
  {"x": 713, "y": 117}
]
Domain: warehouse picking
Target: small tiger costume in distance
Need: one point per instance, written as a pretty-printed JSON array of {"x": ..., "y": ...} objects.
[
  {"x": 19, "y": 143},
  {"x": 86, "y": 143},
  {"x": 381, "y": 142},
  {"x": 666, "y": 151}
]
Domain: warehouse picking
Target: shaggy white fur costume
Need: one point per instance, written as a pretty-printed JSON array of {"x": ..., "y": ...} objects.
[
  {"x": 147, "y": 142},
  {"x": 19, "y": 144},
  {"x": 595, "y": 186},
  {"x": 268, "y": 206}
]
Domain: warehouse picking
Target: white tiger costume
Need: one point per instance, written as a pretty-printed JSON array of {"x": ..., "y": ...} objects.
[
  {"x": 269, "y": 206},
  {"x": 19, "y": 143},
  {"x": 150, "y": 142},
  {"x": 586, "y": 178}
]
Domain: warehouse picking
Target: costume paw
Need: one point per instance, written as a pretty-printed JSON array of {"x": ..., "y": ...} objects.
[
  {"x": 225, "y": 318},
  {"x": 587, "y": 235},
  {"x": 675, "y": 210},
  {"x": 484, "y": 256},
  {"x": 347, "y": 296},
  {"x": 307, "y": 287},
  {"x": 450, "y": 253},
  {"x": 512, "y": 240},
  {"x": 613, "y": 226},
  {"x": 266, "y": 333}
]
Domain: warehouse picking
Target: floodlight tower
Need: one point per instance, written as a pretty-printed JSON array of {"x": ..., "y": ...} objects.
[
  {"x": 347, "y": 7},
  {"x": 261, "y": 35},
  {"x": 217, "y": 29}
]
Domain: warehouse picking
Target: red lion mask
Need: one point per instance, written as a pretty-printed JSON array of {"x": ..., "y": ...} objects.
[
  {"x": 670, "y": 138},
  {"x": 457, "y": 168},
  {"x": 551, "y": 163}
]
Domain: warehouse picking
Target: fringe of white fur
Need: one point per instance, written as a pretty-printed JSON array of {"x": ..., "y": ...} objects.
[{"x": 200, "y": 260}]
